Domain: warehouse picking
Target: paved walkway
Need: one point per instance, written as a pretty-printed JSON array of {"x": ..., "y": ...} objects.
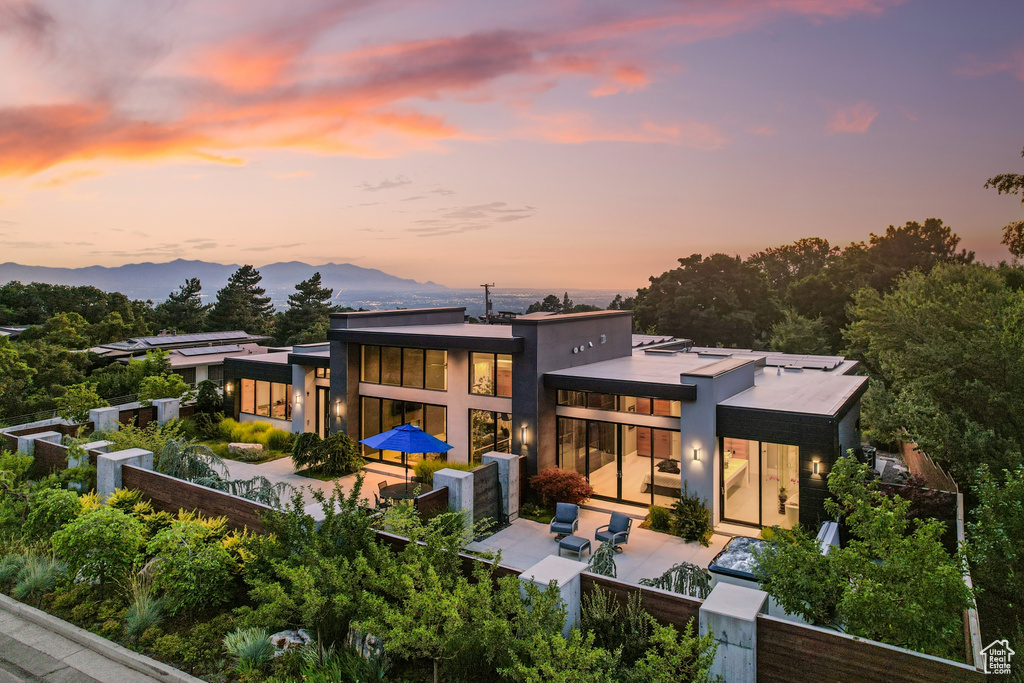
[{"x": 30, "y": 653}]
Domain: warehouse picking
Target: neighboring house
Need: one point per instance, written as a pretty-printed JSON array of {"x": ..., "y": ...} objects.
[
  {"x": 196, "y": 357},
  {"x": 754, "y": 433}
]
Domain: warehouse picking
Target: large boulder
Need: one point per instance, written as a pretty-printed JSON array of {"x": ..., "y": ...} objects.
[{"x": 246, "y": 449}]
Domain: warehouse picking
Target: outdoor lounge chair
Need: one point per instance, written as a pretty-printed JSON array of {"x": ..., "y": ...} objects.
[
  {"x": 566, "y": 520},
  {"x": 616, "y": 531}
]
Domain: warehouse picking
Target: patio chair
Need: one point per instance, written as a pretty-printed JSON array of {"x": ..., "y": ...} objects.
[
  {"x": 566, "y": 520},
  {"x": 381, "y": 486},
  {"x": 616, "y": 531},
  {"x": 381, "y": 504}
]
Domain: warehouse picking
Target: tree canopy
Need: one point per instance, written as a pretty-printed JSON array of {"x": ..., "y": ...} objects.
[
  {"x": 242, "y": 305},
  {"x": 184, "y": 310},
  {"x": 1013, "y": 233},
  {"x": 307, "y": 318}
]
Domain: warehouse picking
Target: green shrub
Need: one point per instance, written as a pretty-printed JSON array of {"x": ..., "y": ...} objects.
[
  {"x": 277, "y": 439},
  {"x": 101, "y": 545},
  {"x": 251, "y": 647},
  {"x": 425, "y": 469},
  {"x": 38, "y": 576},
  {"x": 555, "y": 485},
  {"x": 13, "y": 466},
  {"x": 307, "y": 450},
  {"x": 263, "y": 433},
  {"x": 50, "y": 509},
  {"x": 337, "y": 455},
  {"x": 208, "y": 398},
  {"x": 196, "y": 570},
  {"x": 659, "y": 518},
  {"x": 124, "y": 500},
  {"x": 691, "y": 518},
  {"x": 144, "y": 610}
]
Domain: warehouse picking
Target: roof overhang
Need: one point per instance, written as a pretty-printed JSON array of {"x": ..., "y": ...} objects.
[
  {"x": 394, "y": 337},
  {"x": 673, "y": 392}
]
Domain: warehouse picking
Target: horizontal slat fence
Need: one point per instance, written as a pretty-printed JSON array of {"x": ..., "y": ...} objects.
[
  {"x": 667, "y": 608},
  {"x": 170, "y": 494},
  {"x": 787, "y": 651}
]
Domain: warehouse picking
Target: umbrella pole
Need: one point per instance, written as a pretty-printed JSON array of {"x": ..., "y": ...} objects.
[{"x": 405, "y": 457}]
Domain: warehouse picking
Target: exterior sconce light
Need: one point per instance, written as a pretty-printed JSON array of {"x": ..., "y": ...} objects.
[
  {"x": 696, "y": 454},
  {"x": 228, "y": 387},
  {"x": 522, "y": 435},
  {"x": 337, "y": 408},
  {"x": 815, "y": 465},
  {"x": 298, "y": 399}
]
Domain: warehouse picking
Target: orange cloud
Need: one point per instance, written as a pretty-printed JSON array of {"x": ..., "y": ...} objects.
[
  {"x": 275, "y": 77},
  {"x": 66, "y": 179},
  {"x": 856, "y": 118}
]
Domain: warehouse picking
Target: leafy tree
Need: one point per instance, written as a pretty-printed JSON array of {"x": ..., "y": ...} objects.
[
  {"x": 797, "y": 334},
  {"x": 208, "y": 398},
  {"x": 913, "y": 247},
  {"x": 35, "y": 303},
  {"x": 791, "y": 263},
  {"x": 119, "y": 379},
  {"x": 68, "y": 330},
  {"x": 15, "y": 376},
  {"x": 1011, "y": 183},
  {"x": 112, "y": 328},
  {"x": 994, "y": 548},
  {"x": 893, "y": 582},
  {"x": 197, "y": 570},
  {"x": 309, "y": 309},
  {"x": 621, "y": 304},
  {"x": 948, "y": 349},
  {"x": 50, "y": 509},
  {"x": 550, "y": 304},
  {"x": 77, "y": 401},
  {"x": 184, "y": 310},
  {"x": 241, "y": 304},
  {"x": 714, "y": 300},
  {"x": 170, "y": 385}
]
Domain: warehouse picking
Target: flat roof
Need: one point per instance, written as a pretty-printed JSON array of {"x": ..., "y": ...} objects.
[
  {"x": 276, "y": 358},
  {"x": 445, "y": 330},
  {"x": 810, "y": 392},
  {"x": 653, "y": 369}
]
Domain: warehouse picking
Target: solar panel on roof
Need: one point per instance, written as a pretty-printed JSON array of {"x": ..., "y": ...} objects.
[
  {"x": 209, "y": 350},
  {"x": 168, "y": 339}
]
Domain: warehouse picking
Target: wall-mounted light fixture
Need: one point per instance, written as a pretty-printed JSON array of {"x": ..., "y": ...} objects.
[
  {"x": 228, "y": 387},
  {"x": 522, "y": 435},
  {"x": 696, "y": 454},
  {"x": 337, "y": 407},
  {"x": 298, "y": 398},
  {"x": 815, "y": 465}
]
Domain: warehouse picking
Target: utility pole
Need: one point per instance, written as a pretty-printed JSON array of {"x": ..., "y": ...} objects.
[{"x": 487, "y": 301}]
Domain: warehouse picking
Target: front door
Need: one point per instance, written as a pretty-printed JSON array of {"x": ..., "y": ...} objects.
[{"x": 323, "y": 411}]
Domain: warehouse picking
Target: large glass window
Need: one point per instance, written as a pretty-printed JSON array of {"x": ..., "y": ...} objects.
[
  {"x": 405, "y": 367},
  {"x": 266, "y": 399},
  {"x": 489, "y": 431},
  {"x": 624, "y": 404},
  {"x": 378, "y": 415},
  {"x": 623, "y": 462},
  {"x": 490, "y": 374},
  {"x": 760, "y": 483},
  {"x": 323, "y": 373}
]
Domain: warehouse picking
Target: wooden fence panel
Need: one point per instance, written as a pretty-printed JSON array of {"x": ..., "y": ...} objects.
[
  {"x": 432, "y": 503},
  {"x": 785, "y": 648},
  {"x": 9, "y": 442},
  {"x": 170, "y": 494},
  {"x": 49, "y": 458},
  {"x": 667, "y": 608}
]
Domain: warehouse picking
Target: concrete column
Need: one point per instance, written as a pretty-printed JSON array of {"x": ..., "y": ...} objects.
[
  {"x": 98, "y": 446},
  {"x": 460, "y": 490},
  {"x": 108, "y": 468},
  {"x": 729, "y": 614},
  {"x": 166, "y": 409},
  {"x": 26, "y": 444},
  {"x": 508, "y": 479},
  {"x": 566, "y": 575},
  {"x": 105, "y": 419}
]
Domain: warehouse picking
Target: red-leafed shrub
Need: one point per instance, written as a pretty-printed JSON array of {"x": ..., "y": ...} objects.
[{"x": 561, "y": 486}]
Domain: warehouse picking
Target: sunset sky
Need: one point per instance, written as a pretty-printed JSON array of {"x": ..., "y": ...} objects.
[{"x": 532, "y": 144}]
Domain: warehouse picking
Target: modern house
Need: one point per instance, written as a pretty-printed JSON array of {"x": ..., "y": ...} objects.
[
  {"x": 640, "y": 416},
  {"x": 196, "y": 357}
]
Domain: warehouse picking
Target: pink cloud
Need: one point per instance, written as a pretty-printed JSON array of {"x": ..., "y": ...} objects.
[
  {"x": 1011, "y": 62},
  {"x": 274, "y": 77},
  {"x": 856, "y": 118},
  {"x": 764, "y": 130}
]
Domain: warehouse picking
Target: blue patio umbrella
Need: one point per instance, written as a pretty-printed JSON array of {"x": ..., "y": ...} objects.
[{"x": 407, "y": 439}]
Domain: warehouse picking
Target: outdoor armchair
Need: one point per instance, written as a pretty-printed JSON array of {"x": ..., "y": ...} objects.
[
  {"x": 566, "y": 520},
  {"x": 616, "y": 531}
]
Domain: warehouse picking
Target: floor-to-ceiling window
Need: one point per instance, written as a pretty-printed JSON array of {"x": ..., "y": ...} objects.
[
  {"x": 630, "y": 463},
  {"x": 404, "y": 367},
  {"x": 489, "y": 431},
  {"x": 266, "y": 399},
  {"x": 378, "y": 415},
  {"x": 490, "y": 374},
  {"x": 760, "y": 483}
]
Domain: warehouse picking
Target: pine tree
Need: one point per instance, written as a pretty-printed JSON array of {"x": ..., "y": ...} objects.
[
  {"x": 308, "y": 316},
  {"x": 241, "y": 304},
  {"x": 184, "y": 310}
]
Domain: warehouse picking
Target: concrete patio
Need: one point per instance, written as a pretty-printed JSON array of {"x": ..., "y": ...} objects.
[{"x": 648, "y": 554}]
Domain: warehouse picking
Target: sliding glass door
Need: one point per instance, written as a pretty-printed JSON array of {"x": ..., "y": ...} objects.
[
  {"x": 760, "y": 483},
  {"x": 625, "y": 463}
]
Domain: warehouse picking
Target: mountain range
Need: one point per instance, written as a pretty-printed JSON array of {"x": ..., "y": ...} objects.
[{"x": 156, "y": 280}]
